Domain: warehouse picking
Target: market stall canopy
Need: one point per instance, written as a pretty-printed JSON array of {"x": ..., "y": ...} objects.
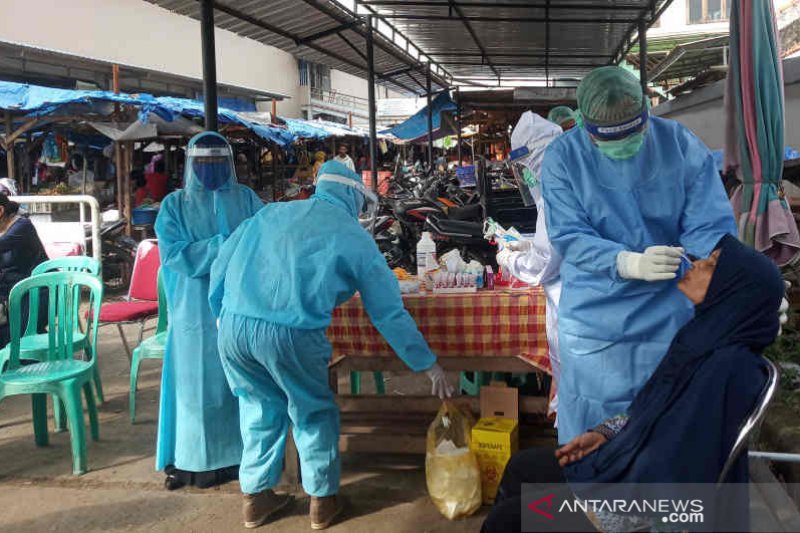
[
  {"x": 33, "y": 101},
  {"x": 155, "y": 127},
  {"x": 415, "y": 129}
]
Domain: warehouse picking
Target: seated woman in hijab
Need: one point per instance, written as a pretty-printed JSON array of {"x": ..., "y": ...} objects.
[
  {"x": 681, "y": 426},
  {"x": 20, "y": 252}
]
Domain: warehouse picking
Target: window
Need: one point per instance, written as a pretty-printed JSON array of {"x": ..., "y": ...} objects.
[{"x": 705, "y": 11}]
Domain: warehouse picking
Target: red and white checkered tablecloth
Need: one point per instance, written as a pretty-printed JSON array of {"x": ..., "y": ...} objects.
[{"x": 486, "y": 323}]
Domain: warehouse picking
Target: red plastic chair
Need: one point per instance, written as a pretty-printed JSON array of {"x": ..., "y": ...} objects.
[{"x": 142, "y": 301}]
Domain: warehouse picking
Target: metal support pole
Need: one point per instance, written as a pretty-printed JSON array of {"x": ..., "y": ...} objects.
[
  {"x": 209, "y": 63},
  {"x": 643, "y": 54},
  {"x": 430, "y": 117},
  {"x": 458, "y": 123},
  {"x": 373, "y": 130}
]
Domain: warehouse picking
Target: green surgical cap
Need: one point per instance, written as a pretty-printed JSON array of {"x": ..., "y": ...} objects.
[
  {"x": 609, "y": 95},
  {"x": 560, "y": 114}
]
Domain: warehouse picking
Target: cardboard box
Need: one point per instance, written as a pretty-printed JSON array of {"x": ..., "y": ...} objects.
[{"x": 495, "y": 438}]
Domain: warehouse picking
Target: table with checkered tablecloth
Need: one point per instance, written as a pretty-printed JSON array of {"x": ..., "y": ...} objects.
[
  {"x": 488, "y": 331},
  {"x": 487, "y": 324}
]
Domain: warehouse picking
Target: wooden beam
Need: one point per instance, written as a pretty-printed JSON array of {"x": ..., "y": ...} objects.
[
  {"x": 118, "y": 169},
  {"x": 126, "y": 200},
  {"x": 470, "y": 364},
  {"x": 426, "y": 404},
  {"x": 10, "y": 146}
]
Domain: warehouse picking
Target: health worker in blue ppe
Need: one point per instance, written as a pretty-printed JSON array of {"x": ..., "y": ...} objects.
[
  {"x": 533, "y": 260},
  {"x": 626, "y": 197},
  {"x": 275, "y": 285},
  {"x": 198, "y": 432}
]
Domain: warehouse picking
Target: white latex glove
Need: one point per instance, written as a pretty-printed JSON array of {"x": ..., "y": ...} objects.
[
  {"x": 519, "y": 246},
  {"x": 783, "y": 310},
  {"x": 504, "y": 257},
  {"x": 657, "y": 263},
  {"x": 439, "y": 385}
]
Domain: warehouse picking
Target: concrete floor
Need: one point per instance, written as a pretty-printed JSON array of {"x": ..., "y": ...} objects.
[{"x": 122, "y": 492}]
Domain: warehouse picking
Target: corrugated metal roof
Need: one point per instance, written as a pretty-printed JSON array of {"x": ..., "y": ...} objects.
[{"x": 465, "y": 40}]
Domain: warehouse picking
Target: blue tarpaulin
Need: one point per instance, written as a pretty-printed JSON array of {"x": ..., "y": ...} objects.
[
  {"x": 416, "y": 127},
  {"x": 305, "y": 129},
  {"x": 34, "y": 100}
]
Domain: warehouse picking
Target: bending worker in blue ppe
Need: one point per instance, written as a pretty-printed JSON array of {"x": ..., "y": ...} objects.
[
  {"x": 626, "y": 196},
  {"x": 274, "y": 286},
  {"x": 198, "y": 433}
]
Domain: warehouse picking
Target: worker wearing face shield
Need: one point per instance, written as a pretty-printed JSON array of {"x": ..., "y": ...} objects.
[
  {"x": 274, "y": 286},
  {"x": 534, "y": 261},
  {"x": 626, "y": 196},
  {"x": 198, "y": 438}
]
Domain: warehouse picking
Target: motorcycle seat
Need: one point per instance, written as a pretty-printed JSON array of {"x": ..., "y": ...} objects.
[
  {"x": 456, "y": 227},
  {"x": 467, "y": 212}
]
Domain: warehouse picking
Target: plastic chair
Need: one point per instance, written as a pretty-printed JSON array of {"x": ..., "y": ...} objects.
[
  {"x": 142, "y": 301},
  {"x": 151, "y": 348},
  {"x": 754, "y": 420},
  {"x": 33, "y": 345},
  {"x": 61, "y": 374},
  {"x": 355, "y": 383}
]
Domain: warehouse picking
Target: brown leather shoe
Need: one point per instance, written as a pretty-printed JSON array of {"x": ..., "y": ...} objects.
[
  {"x": 325, "y": 510},
  {"x": 258, "y": 508}
]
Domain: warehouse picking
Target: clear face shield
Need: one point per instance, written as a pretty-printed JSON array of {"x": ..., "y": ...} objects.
[
  {"x": 523, "y": 176},
  {"x": 369, "y": 208},
  {"x": 213, "y": 166}
]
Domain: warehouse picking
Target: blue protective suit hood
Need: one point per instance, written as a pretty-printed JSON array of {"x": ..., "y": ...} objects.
[{"x": 348, "y": 198}]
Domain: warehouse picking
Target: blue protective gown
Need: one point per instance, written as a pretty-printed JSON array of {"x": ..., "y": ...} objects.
[
  {"x": 198, "y": 420},
  {"x": 276, "y": 283},
  {"x": 613, "y": 332}
]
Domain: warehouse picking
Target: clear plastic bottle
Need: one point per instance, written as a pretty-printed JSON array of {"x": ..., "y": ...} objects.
[{"x": 426, "y": 255}]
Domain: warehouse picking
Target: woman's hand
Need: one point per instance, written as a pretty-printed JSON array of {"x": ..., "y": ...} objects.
[{"x": 579, "y": 447}]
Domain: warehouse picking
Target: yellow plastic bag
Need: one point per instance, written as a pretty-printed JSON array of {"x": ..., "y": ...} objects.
[{"x": 451, "y": 469}]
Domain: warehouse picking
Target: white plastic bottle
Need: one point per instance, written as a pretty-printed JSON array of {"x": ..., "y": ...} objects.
[{"x": 426, "y": 255}]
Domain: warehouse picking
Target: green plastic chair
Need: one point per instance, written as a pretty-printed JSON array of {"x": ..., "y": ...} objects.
[
  {"x": 34, "y": 346},
  {"x": 60, "y": 374},
  {"x": 355, "y": 383},
  {"x": 150, "y": 348}
]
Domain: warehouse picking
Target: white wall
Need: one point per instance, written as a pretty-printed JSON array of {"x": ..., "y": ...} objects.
[
  {"x": 140, "y": 34},
  {"x": 353, "y": 85},
  {"x": 703, "y": 112}
]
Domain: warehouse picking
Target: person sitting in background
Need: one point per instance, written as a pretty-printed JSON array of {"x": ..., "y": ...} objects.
[
  {"x": 304, "y": 173},
  {"x": 319, "y": 160},
  {"x": 157, "y": 181},
  {"x": 76, "y": 175},
  {"x": 142, "y": 193},
  {"x": 20, "y": 252},
  {"x": 682, "y": 425}
]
